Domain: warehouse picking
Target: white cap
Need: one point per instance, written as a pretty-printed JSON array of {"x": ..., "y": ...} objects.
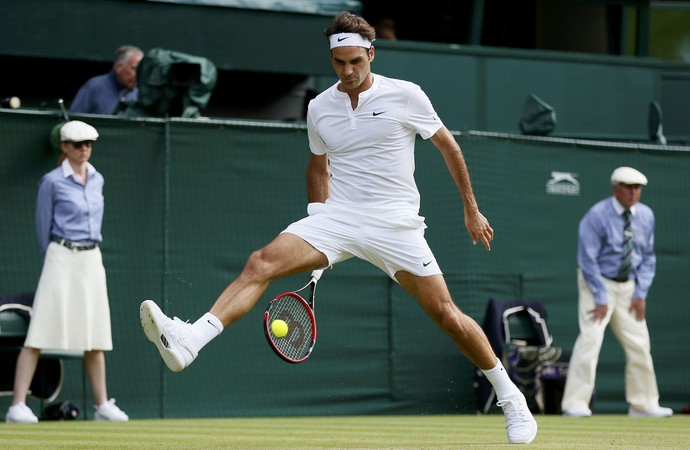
[
  {"x": 628, "y": 175},
  {"x": 77, "y": 131}
]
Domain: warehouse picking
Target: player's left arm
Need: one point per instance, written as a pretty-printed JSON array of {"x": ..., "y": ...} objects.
[{"x": 477, "y": 225}]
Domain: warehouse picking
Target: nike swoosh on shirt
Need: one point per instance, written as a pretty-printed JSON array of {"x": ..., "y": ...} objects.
[
  {"x": 377, "y": 113},
  {"x": 427, "y": 263}
]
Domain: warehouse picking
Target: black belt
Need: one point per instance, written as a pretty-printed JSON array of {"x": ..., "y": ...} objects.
[
  {"x": 72, "y": 245},
  {"x": 619, "y": 279}
]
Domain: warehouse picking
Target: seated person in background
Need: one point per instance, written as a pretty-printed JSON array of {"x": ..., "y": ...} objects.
[
  {"x": 102, "y": 93},
  {"x": 385, "y": 29}
]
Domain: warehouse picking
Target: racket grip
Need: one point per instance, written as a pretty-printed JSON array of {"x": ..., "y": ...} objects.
[{"x": 317, "y": 274}]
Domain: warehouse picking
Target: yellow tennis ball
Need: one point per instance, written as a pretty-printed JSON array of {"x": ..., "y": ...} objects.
[{"x": 279, "y": 328}]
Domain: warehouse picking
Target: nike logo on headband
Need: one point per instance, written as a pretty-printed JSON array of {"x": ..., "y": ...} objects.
[{"x": 348, "y": 40}]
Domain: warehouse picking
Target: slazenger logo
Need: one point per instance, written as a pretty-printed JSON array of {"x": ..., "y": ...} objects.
[{"x": 563, "y": 183}]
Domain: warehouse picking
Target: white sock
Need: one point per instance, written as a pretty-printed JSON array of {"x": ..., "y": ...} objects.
[
  {"x": 499, "y": 379},
  {"x": 205, "y": 329}
]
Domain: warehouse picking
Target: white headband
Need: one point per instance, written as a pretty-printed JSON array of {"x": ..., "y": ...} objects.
[{"x": 348, "y": 40}]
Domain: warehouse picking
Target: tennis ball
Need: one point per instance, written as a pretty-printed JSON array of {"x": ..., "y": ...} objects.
[
  {"x": 279, "y": 328},
  {"x": 15, "y": 102}
]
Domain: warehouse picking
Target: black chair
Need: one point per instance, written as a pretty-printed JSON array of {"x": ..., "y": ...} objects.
[
  {"x": 15, "y": 314},
  {"x": 518, "y": 333}
]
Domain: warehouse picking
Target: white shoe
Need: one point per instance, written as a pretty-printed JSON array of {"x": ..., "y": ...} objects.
[
  {"x": 108, "y": 411},
  {"x": 20, "y": 413},
  {"x": 520, "y": 424},
  {"x": 659, "y": 411},
  {"x": 171, "y": 336},
  {"x": 582, "y": 411}
]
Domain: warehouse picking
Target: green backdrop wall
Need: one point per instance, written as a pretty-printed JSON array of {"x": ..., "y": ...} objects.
[{"x": 187, "y": 201}]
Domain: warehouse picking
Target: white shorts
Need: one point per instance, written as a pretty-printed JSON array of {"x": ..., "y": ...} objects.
[{"x": 391, "y": 245}]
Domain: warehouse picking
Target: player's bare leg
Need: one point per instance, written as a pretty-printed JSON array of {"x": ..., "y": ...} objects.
[
  {"x": 432, "y": 294},
  {"x": 179, "y": 342},
  {"x": 286, "y": 255}
]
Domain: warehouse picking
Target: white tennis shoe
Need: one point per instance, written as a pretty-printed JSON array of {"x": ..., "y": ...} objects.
[
  {"x": 20, "y": 413},
  {"x": 578, "y": 411},
  {"x": 659, "y": 411},
  {"x": 171, "y": 336},
  {"x": 110, "y": 412},
  {"x": 520, "y": 424}
]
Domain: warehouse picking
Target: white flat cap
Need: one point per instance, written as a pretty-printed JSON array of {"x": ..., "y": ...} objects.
[
  {"x": 628, "y": 175},
  {"x": 77, "y": 131}
]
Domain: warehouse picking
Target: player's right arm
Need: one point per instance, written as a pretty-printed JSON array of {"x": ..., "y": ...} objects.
[{"x": 318, "y": 178}]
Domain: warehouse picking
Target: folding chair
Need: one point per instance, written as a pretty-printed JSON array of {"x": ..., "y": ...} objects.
[
  {"x": 49, "y": 376},
  {"x": 519, "y": 335}
]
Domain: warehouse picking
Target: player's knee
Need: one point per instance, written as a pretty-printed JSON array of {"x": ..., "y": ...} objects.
[
  {"x": 260, "y": 267},
  {"x": 256, "y": 266},
  {"x": 450, "y": 320}
]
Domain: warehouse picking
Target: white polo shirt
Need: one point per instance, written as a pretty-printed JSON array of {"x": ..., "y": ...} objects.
[{"x": 371, "y": 148}]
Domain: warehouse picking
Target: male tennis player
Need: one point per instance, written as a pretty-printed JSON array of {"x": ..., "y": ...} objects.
[{"x": 363, "y": 203}]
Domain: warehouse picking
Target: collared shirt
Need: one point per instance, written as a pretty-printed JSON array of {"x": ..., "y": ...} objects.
[
  {"x": 371, "y": 148},
  {"x": 68, "y": 209},
  {"x": 101, "y": 95},
  {"x": 600, "y": 246}
]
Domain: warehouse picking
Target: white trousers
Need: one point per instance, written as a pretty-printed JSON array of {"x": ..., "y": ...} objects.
[{"x": 641, "y": 390}]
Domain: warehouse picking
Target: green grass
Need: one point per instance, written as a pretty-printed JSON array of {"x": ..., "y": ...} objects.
[{"x": 361, "y": 432}]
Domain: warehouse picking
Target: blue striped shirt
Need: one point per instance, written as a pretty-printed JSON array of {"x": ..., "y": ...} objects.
[
  {"x": 68, "y": 209},
  {"x": 600, "y": 246}
]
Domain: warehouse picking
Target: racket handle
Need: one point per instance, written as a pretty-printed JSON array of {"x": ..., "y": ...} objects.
[{"x": 317, "y": 274}]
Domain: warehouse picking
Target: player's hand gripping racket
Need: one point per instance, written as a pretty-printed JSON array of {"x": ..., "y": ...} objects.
[{"x": 295, "y": 343}]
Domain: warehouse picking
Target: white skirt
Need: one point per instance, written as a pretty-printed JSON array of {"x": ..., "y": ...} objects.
[{"x": 71, "y": 309}]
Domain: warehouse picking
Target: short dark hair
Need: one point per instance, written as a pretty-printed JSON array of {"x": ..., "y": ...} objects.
[{"x": 346, "y": 22}]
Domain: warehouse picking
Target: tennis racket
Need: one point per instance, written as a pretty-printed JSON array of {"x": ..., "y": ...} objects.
[{"x": 295, "y": 346}]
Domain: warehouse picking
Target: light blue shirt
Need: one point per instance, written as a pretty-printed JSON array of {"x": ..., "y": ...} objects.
[
  {"x": 600, "y": 246},
  {"x": 68, "y": 209}
]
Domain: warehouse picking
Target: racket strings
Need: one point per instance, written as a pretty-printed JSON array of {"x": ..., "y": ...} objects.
[{"x": 299, "y": 340}]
